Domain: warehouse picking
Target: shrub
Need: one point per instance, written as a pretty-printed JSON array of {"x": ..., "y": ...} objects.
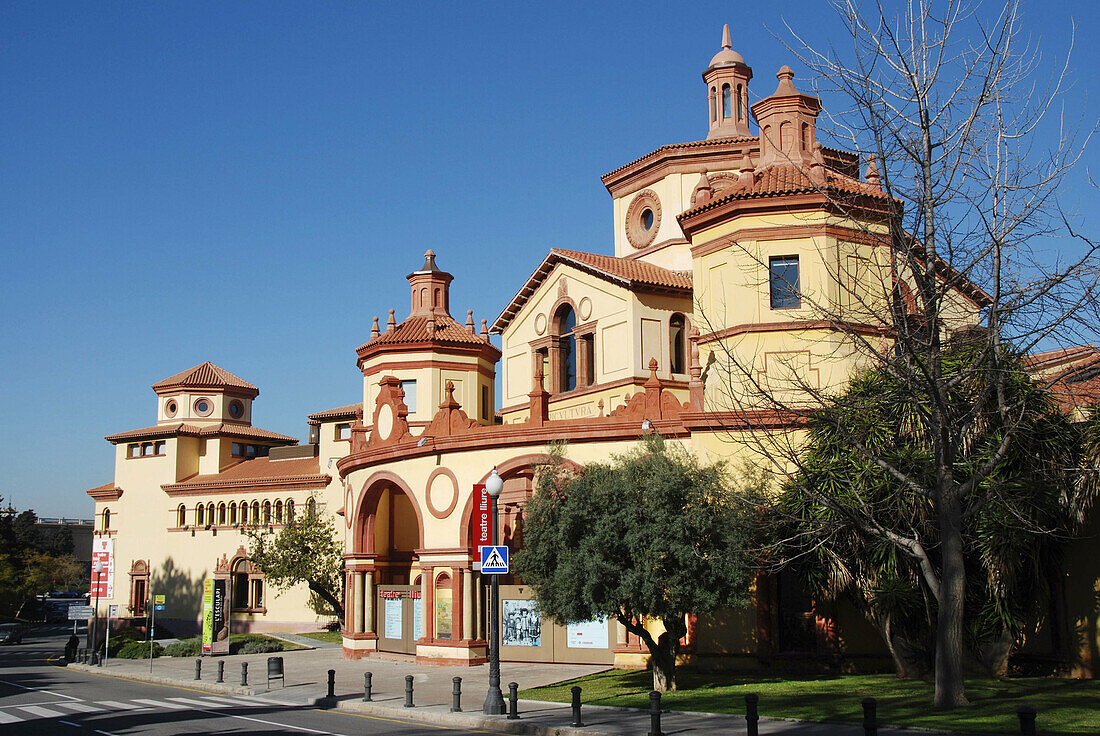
[
  {"x": 138, "y": 650},
  {"x": 334, "y": 625},
  {"x": 261, "y": 647},
  {"x": 238, "y": 642},
  {"x": 121, "y": 638},
  {"x": 184, "y": 648}
]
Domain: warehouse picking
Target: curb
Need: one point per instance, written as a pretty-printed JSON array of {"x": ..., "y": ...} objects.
[
  {"x": 211, "y": 687},
  {"x": 441, "y": 716}
]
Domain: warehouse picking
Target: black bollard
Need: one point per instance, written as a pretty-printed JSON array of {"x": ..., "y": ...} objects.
[
  {"x": 456, "y": 694},
  {"x": 1026, "y": 714},
  {"x": 513, "y": 701},
  {"x": 244, "y": 673},
  {"x": 198, "y": 669},
  {"x": 221, "y": 671},
  {"x": 752, "y": 718},
  {"x": 655, "y": 714},
  {"x": 366, "y": 687},
  {"x": 870, "y": 717},
  {"x": 409, "y": 691},
  {"x": 577, "y": 723},
  {"x": 332, "y": 683}
]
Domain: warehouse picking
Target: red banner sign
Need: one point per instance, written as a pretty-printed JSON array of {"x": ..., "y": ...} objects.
[{"x": 480, "y": 523}]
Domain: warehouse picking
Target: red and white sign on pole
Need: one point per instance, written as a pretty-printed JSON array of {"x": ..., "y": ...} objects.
[
  {"x": 103, "y": 584},
  {"x": 480, "y": 522}
]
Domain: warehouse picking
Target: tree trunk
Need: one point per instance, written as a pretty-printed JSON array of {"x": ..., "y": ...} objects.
[
  {"x": 950, "y": 682},
  {"x": 327, "y": 596},
  {"x": 664, "y": 662}
]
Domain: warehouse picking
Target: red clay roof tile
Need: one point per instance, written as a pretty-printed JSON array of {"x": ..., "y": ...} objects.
[{"x": 206, "y": 375}]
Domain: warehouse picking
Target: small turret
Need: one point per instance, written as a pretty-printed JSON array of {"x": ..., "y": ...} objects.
[{"x": 727, "y": 77}]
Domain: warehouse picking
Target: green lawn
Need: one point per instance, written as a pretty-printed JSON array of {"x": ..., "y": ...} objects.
[
  {"x": 332, "y": 637},
  {"x": 1064, "y": 706}
]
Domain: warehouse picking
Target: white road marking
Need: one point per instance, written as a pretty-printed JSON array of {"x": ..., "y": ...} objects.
[
  {"x": 189, "y": 701},
  {"x": 105, "y": 733},
  {"x": 120, "y": 706},
  {"x": 231, "y": 701},
  {"x": 160, "y": 704},
  {"x": 253, "y": 720},
  {"x": 37, "y": 690},
  {"x": 9, "y": 718},
  {"x": 35, "y": 710},
  {"x": 70, "y": 723},
  {"x": 82, "y": 707}
]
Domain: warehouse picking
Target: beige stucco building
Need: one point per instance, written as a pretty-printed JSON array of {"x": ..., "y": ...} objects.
[{"x": 733, "y": 245}]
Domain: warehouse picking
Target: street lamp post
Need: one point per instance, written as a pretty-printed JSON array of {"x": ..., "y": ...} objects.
[
  {"x": 97, "y": 568},
  {"x": 494, "y": 699}
]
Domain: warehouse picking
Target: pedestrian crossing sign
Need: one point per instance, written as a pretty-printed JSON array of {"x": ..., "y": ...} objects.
[{"x": 494, "y": 560}]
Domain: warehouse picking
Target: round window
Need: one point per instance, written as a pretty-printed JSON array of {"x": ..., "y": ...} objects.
[
  {"x": 170, "y": 408},
  {"x": 236, "y": 409},
  {"x": 643, "y": 219},
  {"x": 647, "y": 219},
  {"x": 203, "y": 407}
]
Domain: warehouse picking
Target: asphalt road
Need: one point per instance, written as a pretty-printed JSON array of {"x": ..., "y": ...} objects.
[{"x": 39, "y": 697}]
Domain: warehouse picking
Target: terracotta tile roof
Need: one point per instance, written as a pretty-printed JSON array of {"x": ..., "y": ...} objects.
[
  {"x": 260, "y": 471},
  {"x": 180, "y": 429},
  {"x": 414, "y": 331},
  {"x": 785, "y": 180},
  {"x": 105, "y": 492},
  {"x": 340, "y": 412},
  {"x": 105, "y": 487},
  {"x": 629, "y": 273},
  {"x": 672, "y": 147},
  {"x": 206, "y": 376},
  {"x": 1051, "y": 358}
]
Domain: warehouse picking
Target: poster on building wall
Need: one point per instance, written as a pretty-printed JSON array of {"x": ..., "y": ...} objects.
[
  {"x": 392, "y": 612},
  {"x": 480, "y": 529},
  {"x": 207, "y": 616},
  {"x": 418, "y": 618},
  {"x": 103, "y": 585},
  {"x": 587, "y": 634},
  {"x": 521, "y": 624},
  {"x": 220, "y": 643},
  {"x": 443, "y": 613}
]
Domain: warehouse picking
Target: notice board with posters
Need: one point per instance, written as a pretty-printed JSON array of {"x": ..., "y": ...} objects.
[
  {"x": 103, "y": 584},
  {"x": 215, "y": 622}
]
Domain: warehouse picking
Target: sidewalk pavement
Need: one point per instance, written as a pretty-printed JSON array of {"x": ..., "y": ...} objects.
[{"x": 306, "y": 684}]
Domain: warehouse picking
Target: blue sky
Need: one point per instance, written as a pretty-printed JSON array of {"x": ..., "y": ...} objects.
[{"x": 249, "y": 183}]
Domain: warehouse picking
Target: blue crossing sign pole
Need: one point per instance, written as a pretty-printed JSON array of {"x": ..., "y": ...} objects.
[{"x": 494, "y": 559}]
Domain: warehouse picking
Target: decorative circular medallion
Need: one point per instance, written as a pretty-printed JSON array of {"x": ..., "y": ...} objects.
[
  {"x": 236, "y": 409},
  {"x": 584, "y": 309},
  {"x": 442, "y": 493},
  {"x": 170, "y": 408},
  {"x": 203, "y": 407},
  {"x": 540, "y": 324},
  {"x": 385, "y": 422},
  {"x": 643, "y": 218}
]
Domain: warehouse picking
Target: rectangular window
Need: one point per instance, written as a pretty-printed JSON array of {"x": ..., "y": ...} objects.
[
  {"x": 485, "y": 403},
  {"x": 250, "y": 451},
  {"x": 783, "y": 279},
  {"x": 588, "y": 345},
  {"x": 343, "y": 431},
  {"x": 159, "y": 448},
  {"x": 409, "y": 387},
  {"x": 238, "y": 449},
  {"x": 133, "y": 450},
  {"x": 146, "y": 449}
]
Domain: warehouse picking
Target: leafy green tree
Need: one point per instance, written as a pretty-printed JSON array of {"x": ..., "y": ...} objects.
[
  {"x": 855, "y": 528},
  {"x": 305, "y": 550},
  {"x": 647, "y": 536},
  {"x": 31, "y": 564}
]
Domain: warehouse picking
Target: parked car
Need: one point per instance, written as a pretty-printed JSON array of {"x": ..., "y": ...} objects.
[{"x": 11, "y": 634}]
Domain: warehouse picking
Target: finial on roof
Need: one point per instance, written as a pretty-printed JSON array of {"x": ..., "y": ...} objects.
[
  {"x": 704, "y": 192},
  {"x": 374, "y": 331},
  {"x": 470, "y": 321},
  {"x": 726, "y": 42},
  {"x": 429, "y": 261},
  {"x": 391, "y": 322},
  {"x": 431, "y": 325},
  {"x": 485, "y": 330},
  {"x": 873, "y": 177},
  {"x": 744, "y": 173},
  {"x": 817, "y": 165},
  {"x": 786, "y": 83}
]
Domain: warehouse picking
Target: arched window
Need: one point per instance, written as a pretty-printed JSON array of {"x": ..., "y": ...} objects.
[
  {"x": 311, "y": 507},
  {"x": 279, "y": 511},
  {"x": 106, "y": 519},
  {"x": 255, "y": 515},
  {"x": 443, "y": 607},
  {"x": 677, "y": 343},
  {"x": 200, "y": 515},
  {"x": 244, "y": 512},
  {"x": 240, "y": 572},
  {"x": 181, "y": 516},
  {"x": 267, "y": 512},
  {"x": 290, "y": 509},
  {"x": 713, "y": 106},
  {"x": 566, "y": 323},
  {"x": 232, "y": 512},
  {"x": 210, "y": 513},
  {"x": 221, "y": 513},
  {"x": 727, "y": 102},
  {"x": 740, "y": 104}
]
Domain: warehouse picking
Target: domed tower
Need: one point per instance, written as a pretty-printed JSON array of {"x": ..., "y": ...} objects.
[{"x": 727, "y": 79}]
